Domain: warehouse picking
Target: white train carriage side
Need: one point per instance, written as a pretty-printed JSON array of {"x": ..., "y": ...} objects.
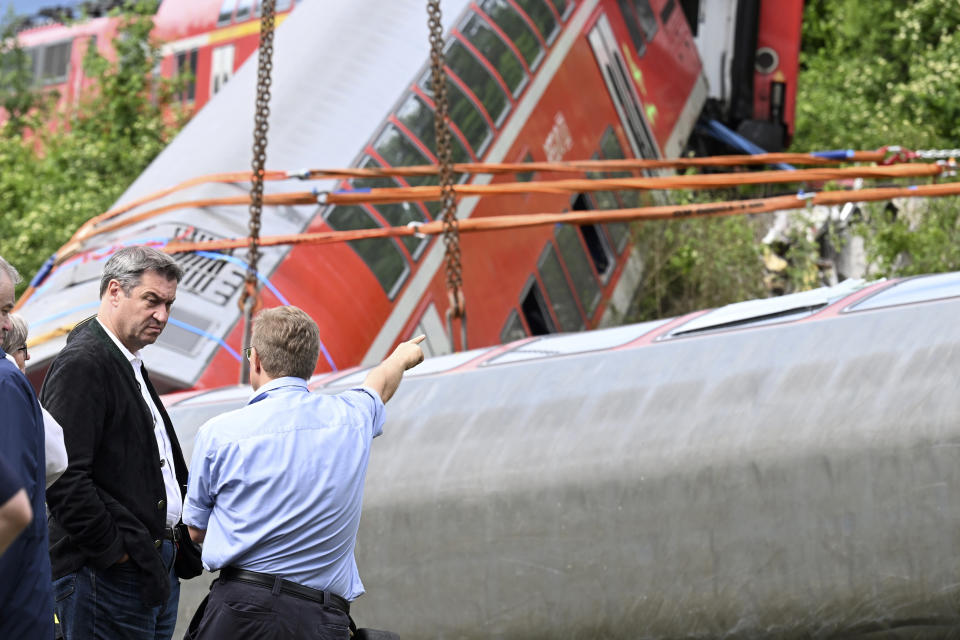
[{"x": 778, "y": 468}]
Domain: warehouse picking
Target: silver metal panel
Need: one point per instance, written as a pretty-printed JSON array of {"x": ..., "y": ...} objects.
[{"x": 793, "y": 482}]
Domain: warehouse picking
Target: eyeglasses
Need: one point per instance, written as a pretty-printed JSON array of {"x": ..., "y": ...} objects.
[
  {"x": 246, "y": 352},
  {"x": 23, "y": 348}
]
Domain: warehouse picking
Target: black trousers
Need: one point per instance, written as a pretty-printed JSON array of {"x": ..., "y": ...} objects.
[{"x": 237, "y": 611}]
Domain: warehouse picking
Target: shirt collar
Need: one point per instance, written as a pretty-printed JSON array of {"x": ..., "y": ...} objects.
[
  {"x": 276, "y": 383},
  {"x": 132, "y": 358}
]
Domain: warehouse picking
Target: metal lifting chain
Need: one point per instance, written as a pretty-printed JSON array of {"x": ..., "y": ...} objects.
[
  {"x": 451, "y": 230},
  {"x": 248, "y": 300}
]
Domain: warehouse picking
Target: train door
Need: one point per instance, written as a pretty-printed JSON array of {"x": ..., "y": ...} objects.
[{"x": 622, "y": 91}]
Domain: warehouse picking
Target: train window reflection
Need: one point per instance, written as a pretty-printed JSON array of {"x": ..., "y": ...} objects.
[
  {"x": 542, "y": 16},
  {"x": 397, "y": 214},
  {"x": 244, "y": 9},
  {"x": 597, "y": 245},
  {"x": 561, "y": 6},
  {"x": 516, "y": 28},
  {"x": 382, "y": 255},
  {"x": 465, "y": 114},
  {"x": 917, "y": 289},
  {"x": 419, "y": 118},
  {"x": 476, "y": 76},
  {"x": 579, "y": 267},
  {"x": 513, "y": 329},
  {"x": 573, "y": 343},
  {"x": 398, "y": 151},
  {"x": 558, "y": 290},
  {"x": 226, "y": 12},
  {"x": 535, "y": 311},
  {"x": 487, "y": 42}
]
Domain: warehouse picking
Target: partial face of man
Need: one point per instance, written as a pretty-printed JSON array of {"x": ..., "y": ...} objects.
[
  {"x": 6, "y": 303},
  {"x": 139, "y": 318}
]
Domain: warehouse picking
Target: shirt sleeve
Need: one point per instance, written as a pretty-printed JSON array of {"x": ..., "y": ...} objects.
[
  {"x": 9, "y": 483},
  {"x": 199, "y": 501},
  {"x": 368, "y": 402},
  {"x": 56, "y": 450}
]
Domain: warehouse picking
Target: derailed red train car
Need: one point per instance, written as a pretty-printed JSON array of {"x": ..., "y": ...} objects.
[{"x": 528, "y": 80}]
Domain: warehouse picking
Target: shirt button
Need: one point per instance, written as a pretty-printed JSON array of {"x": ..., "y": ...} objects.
[
  {"x": 161, "y": 505},
  {"x": 157, "y": 543},
  {"x": 163, "y": 462}
]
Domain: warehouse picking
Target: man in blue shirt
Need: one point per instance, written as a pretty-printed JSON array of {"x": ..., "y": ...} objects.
[
  {"x": 276, "y": 487},
  {"x": 26, "y": 590}
]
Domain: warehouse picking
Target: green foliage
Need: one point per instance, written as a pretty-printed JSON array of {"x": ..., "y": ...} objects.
[
  {"x": 54, "y": 178},
  {"x": 695, "y": 264},
  {"x": 878, "y": 73},
  {"x": 923, "y": 237}
]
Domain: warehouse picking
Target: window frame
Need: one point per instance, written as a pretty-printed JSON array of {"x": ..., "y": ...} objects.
[{"x": 404, "y": 275}]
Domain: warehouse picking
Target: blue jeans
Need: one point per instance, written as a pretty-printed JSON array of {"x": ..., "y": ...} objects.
[{"x": 105, "y": 604}]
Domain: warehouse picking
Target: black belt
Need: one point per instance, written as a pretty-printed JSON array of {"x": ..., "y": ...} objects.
[{"x": 290, "y": 588}]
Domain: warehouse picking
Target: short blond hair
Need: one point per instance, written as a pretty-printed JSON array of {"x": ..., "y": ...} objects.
[
  {"x": 16, "y": 337},
  {"x": 287, "y": 341}
]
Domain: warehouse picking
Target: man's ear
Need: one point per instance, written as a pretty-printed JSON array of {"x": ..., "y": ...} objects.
[{"x": 255, "y": 361}]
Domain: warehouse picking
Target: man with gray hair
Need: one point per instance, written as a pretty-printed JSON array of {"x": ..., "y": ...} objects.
[
  {"x": 276, "y": 489},
  {"x": 26, "y": 598},
  {"x": 115, "y": 547}
]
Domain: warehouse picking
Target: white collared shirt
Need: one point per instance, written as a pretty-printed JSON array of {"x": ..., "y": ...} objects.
[{"x": 174, "y": 498}]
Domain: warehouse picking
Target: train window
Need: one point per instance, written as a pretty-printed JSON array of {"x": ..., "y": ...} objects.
[
  {"x": 282, "y": 5},
  {"x": 516, "y": 28},
  {"x": 419, "y": 118},
  {"x": 558, "y": 290},
  {"x": 480, "y": 81},
  {"x": 633, "y": 28},
  {"x": 561, "y": 6},
  {"x": 542, "y": 16},
  {"x": 397, "y": 214},
  {"x": 487, "y": 42},
  {"x": 55, "y": 62},
  {"x": 398, "y": 151},
  {"x": 513, "y": 329},
  {"x": 382, "y": 255},
  {"x": 918, "y": 289},
  {"x": 186, "y": 62},
  {"x": 574, "y": 343},
  {"x": 221, "y": 68},
  {"x": 535, "y": 311},
  {"x": 754, "y": 313},
  {"x": 226, "y": 12},
  {"x": 597, "y": 245},
  {"x": 578, "y": 266},
  {"x": 610, "y": 149},
  {"x": 646, "y": 18},
  {"x": 244, "y": 10},
  {"x": 465, "y": 114}
]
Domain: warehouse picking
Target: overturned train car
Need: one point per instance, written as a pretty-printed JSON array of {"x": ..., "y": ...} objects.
[{"x": 778, "y": 468}]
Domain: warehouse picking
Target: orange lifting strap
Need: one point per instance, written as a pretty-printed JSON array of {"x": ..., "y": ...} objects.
[
  {"x": 567, "y": 186},
  {"x": 575, "y": 166},
  {"x": 494, "y": 223}
]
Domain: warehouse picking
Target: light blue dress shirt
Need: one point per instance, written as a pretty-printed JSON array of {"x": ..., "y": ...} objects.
[{"x": 278, "y": 484}]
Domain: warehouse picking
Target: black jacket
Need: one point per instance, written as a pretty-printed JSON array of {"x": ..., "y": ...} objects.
[{"x": 111, "y": 499}]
